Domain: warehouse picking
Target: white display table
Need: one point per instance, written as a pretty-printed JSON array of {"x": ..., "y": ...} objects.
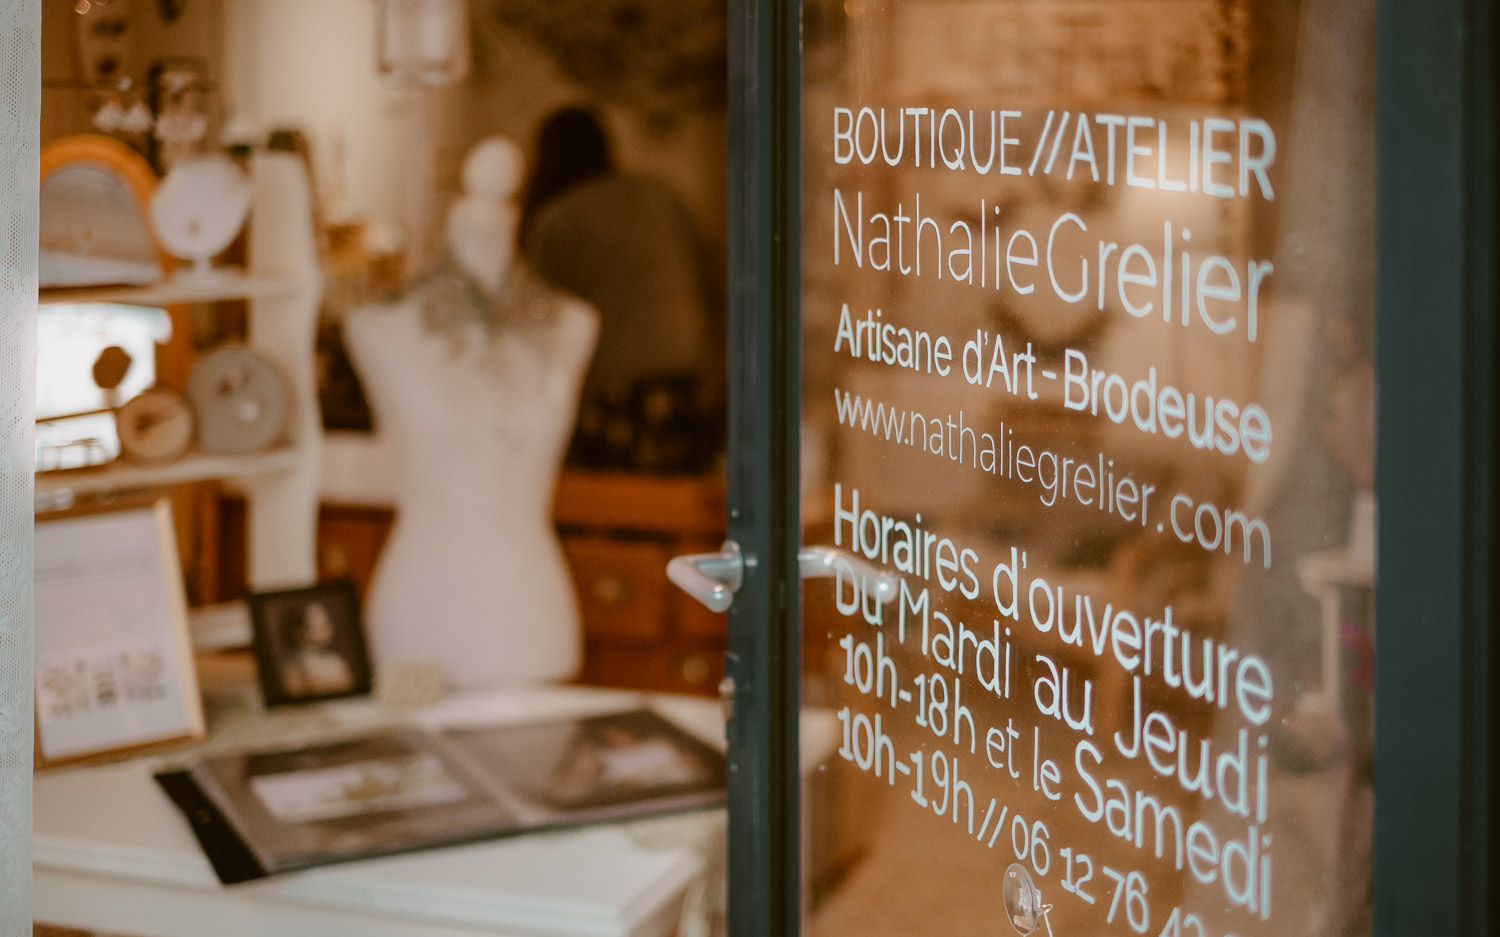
[{"x": 111, "y": 854}]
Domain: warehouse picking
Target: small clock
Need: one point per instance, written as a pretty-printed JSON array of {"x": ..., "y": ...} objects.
[
  {"x": 240, "y": 400},
  {"x": 155, "y": 427}
]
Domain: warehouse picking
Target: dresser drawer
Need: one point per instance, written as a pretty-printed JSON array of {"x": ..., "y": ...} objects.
[
  {"x": 683, "y": 667},
  {"x": 349, "y": 543},
  {"x": 622, "y": 586}
]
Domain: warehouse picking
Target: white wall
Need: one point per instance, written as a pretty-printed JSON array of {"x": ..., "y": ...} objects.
[{"x": 312, "y": 65}]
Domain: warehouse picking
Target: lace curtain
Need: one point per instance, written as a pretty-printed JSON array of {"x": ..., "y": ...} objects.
[{"x": 20, "y": 116}]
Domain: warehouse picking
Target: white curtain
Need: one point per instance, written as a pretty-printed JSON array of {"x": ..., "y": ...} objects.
[{"x": 20, "y": 120}]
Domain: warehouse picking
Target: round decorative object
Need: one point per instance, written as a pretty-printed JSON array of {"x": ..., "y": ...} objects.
[
  {"x": 494, "y": 169},
  {"x": 155, "y": 427},
  {"x": 240, "y": 399},
  {"x": 111, "y": 367},
  {"x": 408, "y": 684},
  {"x": 199, "y": 208}
]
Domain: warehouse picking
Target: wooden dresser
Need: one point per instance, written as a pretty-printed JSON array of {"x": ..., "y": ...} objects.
[{"x": 618, "y": 530}]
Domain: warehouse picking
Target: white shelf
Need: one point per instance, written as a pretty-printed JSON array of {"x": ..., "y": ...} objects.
[
  {"x": 228, "y": 284},
  {"x": 220, "y": 626},
  {"x": 193, "y": 467}
]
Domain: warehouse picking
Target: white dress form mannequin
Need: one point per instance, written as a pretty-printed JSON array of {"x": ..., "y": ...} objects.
[{"x": 479, "y": 414}]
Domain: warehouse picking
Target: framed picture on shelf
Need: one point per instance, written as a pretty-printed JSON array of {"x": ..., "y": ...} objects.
[
  {"x": 114, "y": 666},
  {"x": 310, "y": 644}
]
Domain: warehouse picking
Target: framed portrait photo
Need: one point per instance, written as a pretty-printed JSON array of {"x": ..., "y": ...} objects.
[{"x": 310, "y": 643}]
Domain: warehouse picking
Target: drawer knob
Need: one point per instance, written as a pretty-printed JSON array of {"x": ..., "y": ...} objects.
[
  {"x": 335, "y": 561},
  {"x": 609, "y": 588},
  {"x": 695, "y": 669}
]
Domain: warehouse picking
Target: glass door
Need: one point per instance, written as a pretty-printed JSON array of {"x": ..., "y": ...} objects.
[
  {"x": 1087, "y": 419},
  {"x": 1054, "y": 362}
]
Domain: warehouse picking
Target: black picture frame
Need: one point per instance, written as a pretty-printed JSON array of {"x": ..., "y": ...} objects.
[{"x": 335, "y": 665}]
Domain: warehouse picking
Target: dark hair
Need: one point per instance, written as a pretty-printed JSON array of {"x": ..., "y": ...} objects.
[{"x": 570, "y": 148}]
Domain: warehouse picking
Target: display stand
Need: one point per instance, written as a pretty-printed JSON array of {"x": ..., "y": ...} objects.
[{"x": 283, "y": 287}]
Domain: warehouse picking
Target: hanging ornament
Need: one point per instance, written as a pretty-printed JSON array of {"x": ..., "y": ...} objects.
[
  {"x": 424, "y": 42},
  {"x": 137, "y": 119},
  {"x": 110, "y": 117},
  {"x": 181, "y": 127}
]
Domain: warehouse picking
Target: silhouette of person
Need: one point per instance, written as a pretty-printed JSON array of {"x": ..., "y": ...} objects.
[
  {"x": 315, "y": 667},
  {"x": 626, "y": 243}
]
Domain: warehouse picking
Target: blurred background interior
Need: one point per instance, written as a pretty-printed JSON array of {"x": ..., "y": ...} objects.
[
  {"x": 236, "y": 178},
  {"x": 383, "y": 130}
]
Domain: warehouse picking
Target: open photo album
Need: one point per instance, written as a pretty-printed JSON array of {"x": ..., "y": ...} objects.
[{"x": 261, "y": 813}]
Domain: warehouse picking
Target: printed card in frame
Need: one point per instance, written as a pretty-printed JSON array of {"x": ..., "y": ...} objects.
[{"x": 114, "y": 664}]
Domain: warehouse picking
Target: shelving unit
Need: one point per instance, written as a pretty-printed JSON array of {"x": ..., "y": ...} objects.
[
  {"x": 193, "y": 467},
  {"x": 225, "y": 285},
  {"x": 283, "y": 287}
]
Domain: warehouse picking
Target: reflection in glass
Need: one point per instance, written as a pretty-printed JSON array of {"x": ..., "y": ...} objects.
[
  {"x": 1088, "y": 330},
  {"x": 1023, "y": 900},
  {"x": 75, "y": 426}
]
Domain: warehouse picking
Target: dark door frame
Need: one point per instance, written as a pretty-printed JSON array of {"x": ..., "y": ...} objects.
[
  {"x": 1436, "y": 824},
  {"x": 1435, "y": 777},
  {"x": 763, "y": 661}
]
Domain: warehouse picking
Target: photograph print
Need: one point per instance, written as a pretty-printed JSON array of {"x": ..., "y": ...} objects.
[{"x": 310, "y": 644}]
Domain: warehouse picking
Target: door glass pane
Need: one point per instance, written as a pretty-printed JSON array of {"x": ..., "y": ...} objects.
[{"x": 1087, "y": 327}]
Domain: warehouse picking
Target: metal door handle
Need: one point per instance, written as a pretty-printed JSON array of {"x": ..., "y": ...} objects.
[
  {"x": 711, "y": 578},
  {"x": 714, "y": 578},
  {"x": 824, "y": 562}
]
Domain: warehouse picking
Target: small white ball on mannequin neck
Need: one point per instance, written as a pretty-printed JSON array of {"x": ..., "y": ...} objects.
[{"x": 483, "y": 221}]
